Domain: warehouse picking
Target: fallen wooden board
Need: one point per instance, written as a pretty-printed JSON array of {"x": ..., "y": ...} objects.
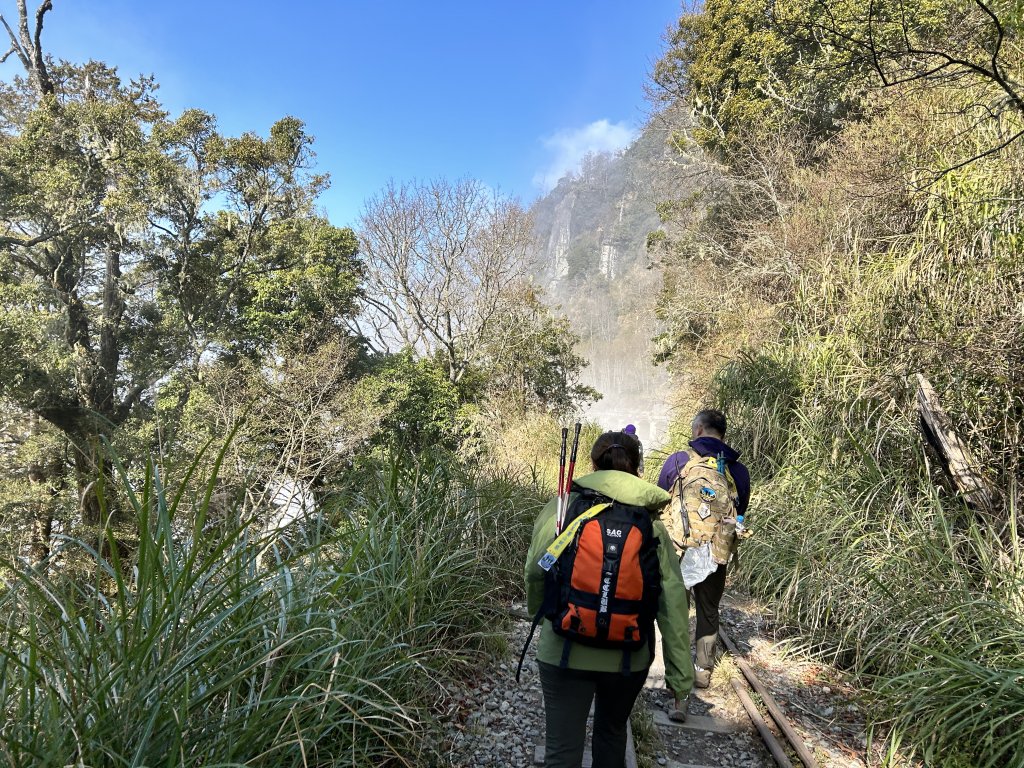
[
  {"x": 770, "y": 704},
  {"x": 959, "y": 464},
  {"x": 698, "y": 723},
  {"x": 778, "y": 753}
]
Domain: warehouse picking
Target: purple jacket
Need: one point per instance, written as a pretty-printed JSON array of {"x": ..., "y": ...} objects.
[{"x": 709, "y": 446}]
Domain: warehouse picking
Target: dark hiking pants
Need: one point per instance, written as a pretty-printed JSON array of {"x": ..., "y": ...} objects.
[
  {"x": 707, "y": 595},
  {"x": 568, "y": 694}
]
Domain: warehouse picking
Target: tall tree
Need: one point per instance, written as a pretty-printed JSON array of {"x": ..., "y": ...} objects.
[
  {"x": 751, "y": 66},
  {"x": 134, "y": 246},
  {"x": 974, "y": 46}
]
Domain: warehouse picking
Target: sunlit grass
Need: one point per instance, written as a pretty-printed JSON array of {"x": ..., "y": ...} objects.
[
  {"x": 883, "y": 573},
  {"x": 322, "y": 644}
]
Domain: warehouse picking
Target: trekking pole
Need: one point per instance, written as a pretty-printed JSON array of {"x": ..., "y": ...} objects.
[
  {"x": 568, "y": 479},
  {"x": 561, "y": 482}
]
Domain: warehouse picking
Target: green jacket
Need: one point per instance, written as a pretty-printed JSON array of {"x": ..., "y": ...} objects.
[{"x": 673, "y": 620}]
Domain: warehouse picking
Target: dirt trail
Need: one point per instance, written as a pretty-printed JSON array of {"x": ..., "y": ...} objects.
[{"x": 819, "y": 704}]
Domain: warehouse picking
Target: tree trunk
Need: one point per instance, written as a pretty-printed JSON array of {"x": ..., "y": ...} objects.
[
  {"x": 94, "y": 470},
  {"x": 46, "y": 476}
]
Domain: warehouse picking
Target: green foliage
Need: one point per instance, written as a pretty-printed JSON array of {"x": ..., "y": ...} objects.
[
  {"x": 310, "y": 285},
  {"x": 750, "y": 68},
  {"x": 655, "y": 238},
  {"x": 421, "y": 410},
  {"x": 137, "y": 249},
  {"x": 892, "y": 249},
  {"x": 530, "y": 362}
]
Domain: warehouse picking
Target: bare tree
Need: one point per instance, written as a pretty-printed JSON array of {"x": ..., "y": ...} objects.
[
  {"x": 27, "y": 45},
  {"x": 442, "y": 259}
]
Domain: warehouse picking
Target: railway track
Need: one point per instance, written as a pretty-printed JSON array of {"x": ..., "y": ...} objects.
[{"x": 702, "y": 727}]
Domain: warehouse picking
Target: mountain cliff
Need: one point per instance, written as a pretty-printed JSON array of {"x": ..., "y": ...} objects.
[{"x": 591, "y": 235}]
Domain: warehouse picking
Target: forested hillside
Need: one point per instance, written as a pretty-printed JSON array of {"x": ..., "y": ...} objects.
[
  {"x": 266, "y": 482},
  {"x": 858, "y": 222}
]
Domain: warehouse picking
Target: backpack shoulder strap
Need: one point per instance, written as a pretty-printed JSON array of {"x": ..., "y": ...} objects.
[{"x": 733, "y": 488}]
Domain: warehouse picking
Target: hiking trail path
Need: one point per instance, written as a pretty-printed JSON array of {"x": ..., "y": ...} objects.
[{"x": 494, "y": 721}]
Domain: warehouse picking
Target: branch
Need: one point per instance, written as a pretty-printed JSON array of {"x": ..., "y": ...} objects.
[
  {"x": 15, "y": 45},
  {"x": 29, "y": 47},
  {"x": 130, "y": 399},
  {"x": 979, "y": 156},
  {"x": 22, "y": 242},
  {"x": 996, "y": 73}
]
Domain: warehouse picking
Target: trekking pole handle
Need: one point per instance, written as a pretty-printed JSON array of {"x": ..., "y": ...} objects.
[
  {"x": 561, "y": 461},
  {"x": 575, "y": 444}
]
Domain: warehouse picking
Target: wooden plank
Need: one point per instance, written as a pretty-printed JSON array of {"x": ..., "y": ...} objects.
[
  {"x": 778, "y": 753},
  {"x": 702, "y": 723},
  {"x": 958, "y": 462},
  {"x": 769, "y": 701}
]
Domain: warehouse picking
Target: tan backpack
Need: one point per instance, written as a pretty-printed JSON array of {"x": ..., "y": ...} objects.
[{"x": 703, "y": 507}]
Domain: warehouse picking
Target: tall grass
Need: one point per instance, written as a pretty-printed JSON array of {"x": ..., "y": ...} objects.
[
  {"x": 322, "y": 644},
  {"x": 876, "y": 567}
]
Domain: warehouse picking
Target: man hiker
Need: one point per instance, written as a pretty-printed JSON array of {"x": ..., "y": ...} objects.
[{"x": 708, "y": 429}]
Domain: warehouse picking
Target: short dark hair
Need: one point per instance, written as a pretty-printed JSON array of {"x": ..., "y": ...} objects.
[
  {"x": 711, "y": 420},
  {"x": 616, "y": 450}
]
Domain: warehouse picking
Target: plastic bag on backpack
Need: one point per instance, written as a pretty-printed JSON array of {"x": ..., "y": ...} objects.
[{"x": 697, "y": 564}]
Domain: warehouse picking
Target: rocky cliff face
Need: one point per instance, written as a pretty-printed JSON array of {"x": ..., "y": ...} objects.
[
  {"x": 591, "y": 258},
  {"x": 556, "y": 255},
  {"x": 595, "y": 222}
]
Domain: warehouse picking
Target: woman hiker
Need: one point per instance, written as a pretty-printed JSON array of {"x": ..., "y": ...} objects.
[{"x": 577, "y": 672}]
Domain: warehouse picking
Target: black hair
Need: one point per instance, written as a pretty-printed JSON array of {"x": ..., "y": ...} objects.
[
  {"x": 616, "y": 450},
  {"x": 711, "y": 420}
]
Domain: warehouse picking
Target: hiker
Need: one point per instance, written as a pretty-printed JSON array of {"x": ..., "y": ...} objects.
[
  {"x": 629, "y": 429},
  {"x": 708, "y": 429},
  {"x": 574, "y": 674}
]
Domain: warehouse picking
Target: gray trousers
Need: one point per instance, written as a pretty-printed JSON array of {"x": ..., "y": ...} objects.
[{"x": 568, "y": 694}]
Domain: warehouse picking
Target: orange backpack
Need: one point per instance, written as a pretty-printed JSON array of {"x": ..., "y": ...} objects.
[{"x": 603, "y": 589}]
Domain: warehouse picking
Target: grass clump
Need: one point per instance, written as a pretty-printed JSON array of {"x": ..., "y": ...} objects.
[
  {"x": 880, "y": 569},
  {"x": 322, "y": 643}
]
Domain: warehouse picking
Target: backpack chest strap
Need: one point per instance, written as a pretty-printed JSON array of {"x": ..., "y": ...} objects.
[{"x": 565, "y": 537}]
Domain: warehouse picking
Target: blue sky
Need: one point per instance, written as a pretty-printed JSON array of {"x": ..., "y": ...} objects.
[{"x": 509, "y": 93}]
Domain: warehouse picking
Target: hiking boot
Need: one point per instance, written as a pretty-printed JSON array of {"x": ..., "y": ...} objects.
[
  {"x": 705, "y": 661},
  {"x": 679, "y": 709}
]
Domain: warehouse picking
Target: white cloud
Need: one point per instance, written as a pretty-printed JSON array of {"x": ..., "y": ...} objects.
[{"x": 571, "y": 145}]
